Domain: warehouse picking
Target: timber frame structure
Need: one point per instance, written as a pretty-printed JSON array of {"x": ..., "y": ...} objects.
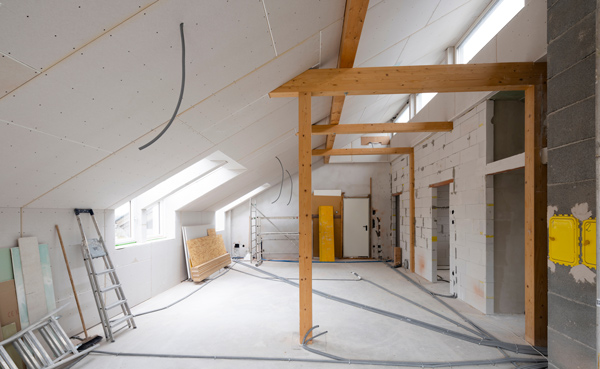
[{"x": 528, "y": 77}]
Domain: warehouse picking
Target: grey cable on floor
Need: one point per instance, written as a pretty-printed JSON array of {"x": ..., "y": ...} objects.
[
  {"x": 208, "y": 281},
  {"x": 180, "y": 92},
  {"x": 519, "y": 349}
]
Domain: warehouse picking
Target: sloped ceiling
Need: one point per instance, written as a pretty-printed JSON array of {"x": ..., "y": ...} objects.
[{"x": 84, "y": 84}]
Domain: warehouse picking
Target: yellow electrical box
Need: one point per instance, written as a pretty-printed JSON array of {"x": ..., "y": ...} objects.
[
  {"x": 588, "y": 242},
  {"x": 563, "y": 243},
  {"x": 326, "y": 244}
]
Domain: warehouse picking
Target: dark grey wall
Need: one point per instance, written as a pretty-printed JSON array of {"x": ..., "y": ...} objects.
[
  {"x": 509, "y": 242},
  {"x": 571, "y": 171}
]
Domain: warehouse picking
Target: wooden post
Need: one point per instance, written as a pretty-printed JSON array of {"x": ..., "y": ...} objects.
[
  {"x": 536, "y": 273},
  {"x": 411, "y": 165},
  {"x": 305, "y": 211}
]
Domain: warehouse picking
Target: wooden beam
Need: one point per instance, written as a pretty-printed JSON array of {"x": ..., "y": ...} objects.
[
  {"x": 382, "y": 128},
  {"x": 440, "y": 184},
  {"x": 383, "y": 140},
  {"x": 305, "y": 212},
  {"x": 536, "y": 273},
  {"x": 414, "y": 79},
  {"x": 411, "y": 169},
  {"x": 375, "y": 151},
  {"x": 354, "y": 18}
]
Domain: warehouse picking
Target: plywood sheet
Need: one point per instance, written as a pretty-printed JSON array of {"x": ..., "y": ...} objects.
[
  {"x": 47, "y": 278},
  {"x": 19, "y": 286},
  {"x": 32, "y": 278},
  {"x": 9, "y": 308},
  {"x": 336, "y": 202},
  {"x": 205, "y": 249},
  {"x": 6, "y": 272},
  {"x": 326, "y": 244}
]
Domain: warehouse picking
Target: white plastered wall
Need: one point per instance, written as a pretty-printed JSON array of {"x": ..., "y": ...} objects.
[{"x": 144, "y": 270}]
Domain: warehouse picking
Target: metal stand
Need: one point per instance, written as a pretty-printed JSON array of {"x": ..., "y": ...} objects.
[{"x": 92, "y": 249}]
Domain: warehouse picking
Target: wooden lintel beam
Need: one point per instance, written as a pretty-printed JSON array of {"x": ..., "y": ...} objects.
[
  {"x": 382, "y": 128},
  {"x": 375, "y": 151},
  {"x": 414, "y": 79},
  {"x": 440, "y": 184}
]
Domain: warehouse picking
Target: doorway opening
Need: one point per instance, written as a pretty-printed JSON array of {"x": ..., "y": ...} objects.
[{"x": 441, "y": 232}]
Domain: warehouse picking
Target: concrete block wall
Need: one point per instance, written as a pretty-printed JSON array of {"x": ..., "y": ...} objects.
[
  {"x": 400, "y": 178},
  {"x": 571, "y": 128},
  {"x": 441, "y": 218}
]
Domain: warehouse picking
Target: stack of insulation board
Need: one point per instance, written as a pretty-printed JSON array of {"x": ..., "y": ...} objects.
[{"x": 207, "y": 255}]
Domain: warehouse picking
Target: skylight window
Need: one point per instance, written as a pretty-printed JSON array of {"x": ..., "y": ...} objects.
[
  {"x": 496, "y": 18},
  {"x": 220, "y": 214},
  {"x": 403, "y": 116},
  {"x": 424, "y": 99}
]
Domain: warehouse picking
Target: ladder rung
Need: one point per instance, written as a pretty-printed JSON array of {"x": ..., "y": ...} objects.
[
  {"x": 110, "y": 288},
  {"x": 114, "y": 305},
  {"x": 116, "y": 322},
  {"x": 105, "y": 272}
]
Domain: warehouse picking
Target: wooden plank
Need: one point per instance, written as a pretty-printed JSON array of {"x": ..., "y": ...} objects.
[
  {"x": 354, "y": 19},
  {"x": 414, "y": 79},
  {"x": 506, "y": 165},
  {"x": 20, "y": 286},
  {"x": 397, "y": 193},
  {"x": 32, "y": 278},
  {"x": 440, "y": 184},
  {"x": 47, "y": 278},
  {"x": 411, "y": 165},
  {"x": 382, "y": 128},
  {"x": 536, "y": 273},
  {"x": 305, "y": 212},
  {"x": 6, "y": 273},
  {"x": 375, "y": 151},
  {"x": 326, "y": 234}
]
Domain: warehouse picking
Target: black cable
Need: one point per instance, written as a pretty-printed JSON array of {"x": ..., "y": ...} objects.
[
  {"x": 180, "y": 93},
  {"x": 282, "y": 177},
  {"x": 291, "y": 186}
]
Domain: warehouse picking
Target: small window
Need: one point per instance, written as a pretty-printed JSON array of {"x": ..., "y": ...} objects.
[
  {"x": 424, "y": 99},
  {"x": 153, "y": 221},
  {"x": 123, "y": 223},
  {"x": 494, "y": 20},
  {"x": 403, "y": 116}
]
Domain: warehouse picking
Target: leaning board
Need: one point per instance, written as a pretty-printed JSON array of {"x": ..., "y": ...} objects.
[{"x": 205, "y": 249}]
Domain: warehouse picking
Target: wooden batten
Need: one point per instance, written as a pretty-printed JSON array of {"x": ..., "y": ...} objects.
[
  {"x": 375, "y": 151},
  {"x": 382, "y": 128}
]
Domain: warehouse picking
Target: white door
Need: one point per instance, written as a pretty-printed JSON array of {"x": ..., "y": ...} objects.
[{"x": 356, "y": 228}]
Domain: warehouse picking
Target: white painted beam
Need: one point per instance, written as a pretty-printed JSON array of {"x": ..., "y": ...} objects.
[{"x": 506, "y": 165}]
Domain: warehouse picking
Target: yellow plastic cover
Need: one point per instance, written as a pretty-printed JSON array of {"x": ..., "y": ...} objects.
[
  {"x": 326, "y": 244},
  {"x": 588, "y": 242},
  {"x": 563, "y": 245}
]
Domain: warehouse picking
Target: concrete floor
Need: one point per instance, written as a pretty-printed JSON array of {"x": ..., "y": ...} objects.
[{"x": 240, "y": 315}]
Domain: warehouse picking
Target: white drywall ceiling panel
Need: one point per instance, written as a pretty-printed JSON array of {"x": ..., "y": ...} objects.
[
  {"x": 293, "y": 21},
  {"x": 524, "y": 37},
  {"x": 40, "y": 33},
  {"x": 13, "y": 74},
  {"x": 330, "y": 45},
  {"x": 127, "y": 170},
  {"x": 447, "y": 6},
  {"x": 488, "y": 54},
  {"x": 441, "y": 34},
  {"x": 33, "y": 163},
  {"x": 374, "y": 112},
  {"x": 390, "y": 22},
  {"x": 242, "y": 118},
  {"x": 253, "y": 86},
  {"x": 387, "y": 57},
  {"x": 394, "y": 106},
  {"x": 11, "y": 223}
]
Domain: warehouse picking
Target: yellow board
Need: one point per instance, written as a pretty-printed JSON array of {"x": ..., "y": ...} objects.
[
  {"x": 326, "y": 244},
  {"x": 563, "y": 244},
  {"x": 588, "y": 240}
]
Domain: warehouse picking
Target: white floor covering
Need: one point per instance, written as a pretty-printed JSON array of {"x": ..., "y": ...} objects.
[{"x": 240, "y": 315}]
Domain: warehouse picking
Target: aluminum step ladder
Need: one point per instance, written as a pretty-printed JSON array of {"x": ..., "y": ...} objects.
[
  {"x": 31, "y": 345},
  {"x": 94, "y": 248}
]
